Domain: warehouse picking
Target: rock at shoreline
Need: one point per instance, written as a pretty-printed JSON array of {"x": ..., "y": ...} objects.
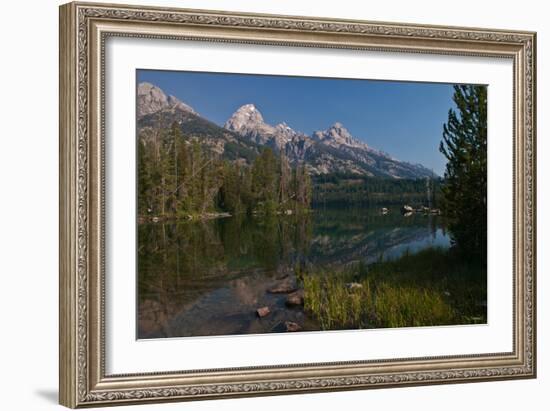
[
  {"x": 292, "y": 326},
  {"x": 263, "y": 311},
  {"x": 295, "y": 298},
  {"x": 283, "y": 287},
  {"x": 407, "y": 209},
  {"x": 354, "y": 286}
]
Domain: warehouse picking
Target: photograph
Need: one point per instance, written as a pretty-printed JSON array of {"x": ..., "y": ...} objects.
[{"x": 283, "y": 204}]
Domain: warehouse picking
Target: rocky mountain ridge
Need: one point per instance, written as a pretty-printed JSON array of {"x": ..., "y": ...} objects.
[
  {"x": 151, "y": 99},
  {"x": 325, "y": 151}
]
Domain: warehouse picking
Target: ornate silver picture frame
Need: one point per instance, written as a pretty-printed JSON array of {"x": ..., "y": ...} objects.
[{"x": 84, "y": 30}]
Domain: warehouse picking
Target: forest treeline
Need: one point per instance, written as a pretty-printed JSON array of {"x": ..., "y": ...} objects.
[
  {"x": 348, "y": 189},
  {"x": 177, "y": 177}
]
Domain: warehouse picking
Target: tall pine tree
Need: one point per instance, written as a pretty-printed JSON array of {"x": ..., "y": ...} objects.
[{"x": 465, "y": 191}]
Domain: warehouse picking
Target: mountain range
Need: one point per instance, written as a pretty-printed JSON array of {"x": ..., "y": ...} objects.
[{"x": 246, "y": 133}]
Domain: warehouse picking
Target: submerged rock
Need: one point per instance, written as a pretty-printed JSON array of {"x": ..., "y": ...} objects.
[
  {"x": 292, "y": 326},
  {"x": 282, "y": 276},
  {"x": 295, "y": 298},
  {"x": 263, "y": 311}
]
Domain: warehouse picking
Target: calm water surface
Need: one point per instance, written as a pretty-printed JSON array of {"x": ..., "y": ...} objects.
[{"x": 209, "y": 277}]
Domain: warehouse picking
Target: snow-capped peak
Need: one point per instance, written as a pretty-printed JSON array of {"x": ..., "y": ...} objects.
[
  {"x": 245, "y": 118},
  {"x": 337, "y": 135}
]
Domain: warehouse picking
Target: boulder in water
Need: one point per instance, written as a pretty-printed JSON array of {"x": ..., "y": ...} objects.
[{"x": 263, "y": 311}]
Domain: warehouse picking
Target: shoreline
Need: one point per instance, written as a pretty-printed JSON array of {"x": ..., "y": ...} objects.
[
  {"x": 188, "y": 217},
  {"x": 214, "y": 215}
]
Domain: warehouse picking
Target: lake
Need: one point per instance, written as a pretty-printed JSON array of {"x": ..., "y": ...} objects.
[{"x": 209, "y": 277}]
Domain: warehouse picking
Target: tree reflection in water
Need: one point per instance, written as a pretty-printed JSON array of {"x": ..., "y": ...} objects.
[{"x": 209, "y": 277}]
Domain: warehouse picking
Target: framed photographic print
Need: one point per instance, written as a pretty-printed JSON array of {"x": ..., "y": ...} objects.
[{"x": 259, "y": 204}]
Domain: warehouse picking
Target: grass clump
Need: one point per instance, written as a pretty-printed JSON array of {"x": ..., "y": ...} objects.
[
  {"x": 410, "y": 307},
  {"x": 424, "y": 289},
  {"x": 330, "y": 300}
]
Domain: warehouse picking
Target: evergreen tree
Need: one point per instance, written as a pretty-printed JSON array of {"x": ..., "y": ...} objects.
[
  {"x": 284, "y": 179},
  {"x": 465, "y": 191},
  {"x": 183, "y": 177},
  {"x": 194, "y": 179},
  {"x": 177, "y": 176},
  {"x": 264, "y": 180},
  {"x": 246, "y": 193},
  {"x": 144, "y": 179},
  {"x": 166, "y": 169},
  {"x": 172, "y": 141},
  {"x": 302, "y": 186},
  {"x": 230, "y": 191}
]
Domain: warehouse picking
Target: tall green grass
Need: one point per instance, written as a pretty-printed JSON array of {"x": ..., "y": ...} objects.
[
  {"x": 328, "y": 298},
  {"x": 424, "y": 289}
]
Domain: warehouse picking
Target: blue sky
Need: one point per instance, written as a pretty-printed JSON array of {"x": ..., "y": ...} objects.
[{"x": 404, "y": 119}]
